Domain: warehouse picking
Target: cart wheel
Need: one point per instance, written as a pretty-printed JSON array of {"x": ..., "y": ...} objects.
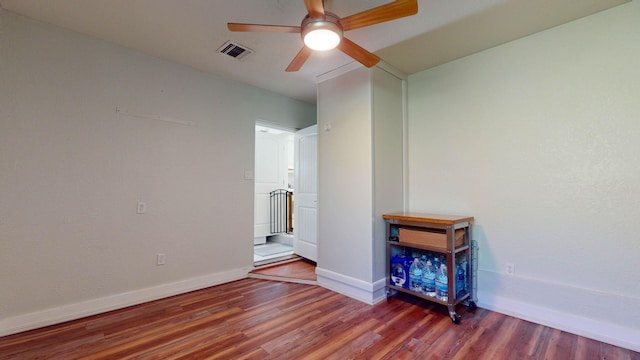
[
  {"x": 388, "y": 294},
  {"x": 455, "y": 318},
  {"x": 472, "y": 305}
]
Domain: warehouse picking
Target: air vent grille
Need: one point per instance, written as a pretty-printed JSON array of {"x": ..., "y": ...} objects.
[{"x": 235, "y": 50}]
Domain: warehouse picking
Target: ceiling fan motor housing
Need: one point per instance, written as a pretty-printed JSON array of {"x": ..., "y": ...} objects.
[{"x": 329, "y": 23}]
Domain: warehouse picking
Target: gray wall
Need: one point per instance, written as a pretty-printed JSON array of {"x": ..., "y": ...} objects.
[
  {"x": 87, "y": 129},
  {"x": 360, "y": 178},
  {"x": 539, "y": 140}
]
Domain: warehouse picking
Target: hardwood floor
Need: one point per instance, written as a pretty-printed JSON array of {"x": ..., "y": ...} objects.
[
  {"x": 300, "y": 270},
  {"x": 260, "y": 319}
]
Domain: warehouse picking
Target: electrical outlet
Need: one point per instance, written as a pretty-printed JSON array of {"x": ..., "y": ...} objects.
[
  {"x": 142, "y": 207},
  {"x": 509, "y": 268},
  {"x": 161, "y": 259}
]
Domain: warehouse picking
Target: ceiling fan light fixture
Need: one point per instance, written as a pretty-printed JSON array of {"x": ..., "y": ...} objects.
[
  {"x": 321, "y": 34},
  {"x": 322, "y": 39}
]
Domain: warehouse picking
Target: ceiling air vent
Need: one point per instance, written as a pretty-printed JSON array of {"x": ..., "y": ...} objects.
[{"x": 234, "y": 50}]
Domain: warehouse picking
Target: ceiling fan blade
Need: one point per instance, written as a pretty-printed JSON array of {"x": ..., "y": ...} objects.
[
  {"x": 300, "y": 58},
  {"x": 395, "y": 10},
  {"x": 358, "y": 53},
  {"x": 266, "y": 28},
  {"x": 315, "y": 8}
]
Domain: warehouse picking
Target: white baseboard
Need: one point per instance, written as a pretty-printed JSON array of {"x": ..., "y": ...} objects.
[
  {"x": 609, "y": 333},
  {"x": 74, "y": 311},
  {"x": 584, "y": 312},
  {"x": 369, "y": 293}
]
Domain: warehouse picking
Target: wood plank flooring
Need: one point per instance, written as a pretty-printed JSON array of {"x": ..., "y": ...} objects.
[
  {"x": 299, "y": 270},
  {"x": 260, "y": 319}
]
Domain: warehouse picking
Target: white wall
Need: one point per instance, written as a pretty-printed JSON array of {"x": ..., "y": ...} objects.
[
  {"x": 539, "y": 140},
  {"x": 344, "y": 175},
  {"x": 87, "y": 129},
  {"x": 388, "y": 168},
  {"x": 360, "y": 178}
]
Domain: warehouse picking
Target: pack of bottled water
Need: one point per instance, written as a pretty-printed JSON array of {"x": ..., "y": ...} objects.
[{"x": 425, "y": 272}]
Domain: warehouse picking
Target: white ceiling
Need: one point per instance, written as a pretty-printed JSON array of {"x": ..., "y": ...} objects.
[{"x": 190, "y": 31}]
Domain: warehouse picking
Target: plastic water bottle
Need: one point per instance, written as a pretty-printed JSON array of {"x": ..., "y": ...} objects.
[
  {"x": 415, "y": 276},
  {"x": 398, "y": 274},
  {"x": 460, "y": 280},
  {"x": 428, "y": 279},
  {"x": 442, "y": 283},
  {"x": 467, "y": 275},
  {"x": 437, "y": 261}
]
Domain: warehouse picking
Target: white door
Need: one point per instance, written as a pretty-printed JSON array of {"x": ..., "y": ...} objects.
[{"x": 305, "y": 208}]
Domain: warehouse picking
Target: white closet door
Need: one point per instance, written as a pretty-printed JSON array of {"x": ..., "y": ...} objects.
[{"x": 305, "y": 229}]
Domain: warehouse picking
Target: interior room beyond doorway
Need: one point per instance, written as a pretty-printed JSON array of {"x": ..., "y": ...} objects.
[{"x": 273, "y": 191}]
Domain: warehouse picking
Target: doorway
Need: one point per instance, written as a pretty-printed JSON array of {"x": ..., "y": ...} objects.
[
  {"x": 273, "y": 194},
  {"x": 285, "y": 173}
]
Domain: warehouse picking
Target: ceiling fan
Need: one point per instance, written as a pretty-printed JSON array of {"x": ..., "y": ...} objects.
[{"x": 322, "y": 30}]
